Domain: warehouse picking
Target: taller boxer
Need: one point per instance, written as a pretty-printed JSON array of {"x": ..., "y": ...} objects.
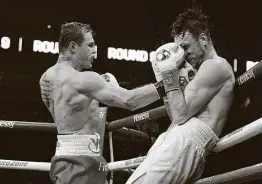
[{"x": 198, "y": 112}]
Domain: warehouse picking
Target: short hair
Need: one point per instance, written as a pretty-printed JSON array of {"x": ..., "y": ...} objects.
[
  {"x": 73, "y": 31},
  {"x": 192, "y": 20}
]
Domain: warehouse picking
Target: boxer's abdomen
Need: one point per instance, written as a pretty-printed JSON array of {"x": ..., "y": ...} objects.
[{"x": 216, "y": 112}]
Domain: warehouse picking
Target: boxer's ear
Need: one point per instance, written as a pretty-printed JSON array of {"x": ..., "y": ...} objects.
[
  {"x": 203, "y": 39},
  {"x": 72, "y": 47}
]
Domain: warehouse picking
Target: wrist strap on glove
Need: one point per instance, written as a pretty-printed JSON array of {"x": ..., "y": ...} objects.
[
  {"x": 160, "y": 89},
  {"x": 170, "y": 80}
]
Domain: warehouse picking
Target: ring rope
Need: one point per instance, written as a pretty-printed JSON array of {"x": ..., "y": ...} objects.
[
  {"x": 138, "y": 118},
  {"x": 227, "y": 141},
  {"x": 117, "y": 124},
  {"x": 51, "y": 127},
  {"x": 240, "y": 175},
  {"x": 235, "y": 137},
  {"x": 45, "y": 166},
  {"x": 239, "y": 135},
  {"x": 133, "y": 133}
]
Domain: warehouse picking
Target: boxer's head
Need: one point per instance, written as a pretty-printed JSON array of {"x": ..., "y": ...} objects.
[
  {"x": 191, "y": 31},
  {"x": 76, "y": 41}
]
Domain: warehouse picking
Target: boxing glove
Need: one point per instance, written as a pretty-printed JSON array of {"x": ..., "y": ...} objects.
[
  {"x": 185, "y": 73},
  {"x": 170, "y": 57},
  {"x": 154, "y": 64}
]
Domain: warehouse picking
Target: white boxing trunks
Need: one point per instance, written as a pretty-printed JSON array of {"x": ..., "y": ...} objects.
[
  {"x": 178, "y": 156},
  {"x": 78, "y": 160}
]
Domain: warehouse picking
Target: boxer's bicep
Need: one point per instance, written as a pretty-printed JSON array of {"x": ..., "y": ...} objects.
[
  {"x": 93, "y": 85},
  {"x": 112, "y": 96},
  {"x": 210, "y": 78},
  {"x": 129, "y": 99}
]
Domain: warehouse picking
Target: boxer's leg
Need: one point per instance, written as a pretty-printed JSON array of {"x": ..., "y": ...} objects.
[
  {"x": 180, "y": 158},
  {"x": 78, "y": 170}
]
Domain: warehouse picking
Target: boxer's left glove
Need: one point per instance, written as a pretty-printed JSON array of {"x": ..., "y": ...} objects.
[
  {"x": 159, "y": 85},
  {"x": 170, "y": 57}
]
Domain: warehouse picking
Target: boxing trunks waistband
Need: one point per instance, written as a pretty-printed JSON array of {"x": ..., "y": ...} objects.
[
  {"x": 76, "y": 145},
  {"x": 200, "y": 133}
]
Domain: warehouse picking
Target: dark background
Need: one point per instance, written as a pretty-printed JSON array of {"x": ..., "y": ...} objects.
[{"x": 136, "y": 24}]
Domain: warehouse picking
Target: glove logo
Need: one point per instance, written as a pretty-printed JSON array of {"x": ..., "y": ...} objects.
[{"x": 162, "y": 55}]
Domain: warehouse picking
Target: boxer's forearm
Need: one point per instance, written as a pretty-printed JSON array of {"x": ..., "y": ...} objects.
[
  {"x": 177, "y": 105},
  {"x": 175, "y": 96},
  {"x": 142, "y": 96},
  {"x": 168, "y": 108}
]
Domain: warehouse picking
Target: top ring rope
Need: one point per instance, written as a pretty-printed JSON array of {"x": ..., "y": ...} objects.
[
  {"x": 227, "y": 141},
  {"x": 138, "y": 118},
  {"x": 130, "y": 120}
]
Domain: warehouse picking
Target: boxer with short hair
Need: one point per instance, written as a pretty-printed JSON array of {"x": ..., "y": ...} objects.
[
  {"x": 198, "y": 112},
  {"x": 72, "y": 98}
]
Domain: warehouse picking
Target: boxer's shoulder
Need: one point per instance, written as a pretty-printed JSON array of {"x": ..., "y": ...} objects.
[
  {"x": 86, "y": 77},
  {"x": 216, "y": 66},
  {"x": 87, "y": 81},
  {"x": 213, "y": 73},
  {"x": 49, "y": 73}
]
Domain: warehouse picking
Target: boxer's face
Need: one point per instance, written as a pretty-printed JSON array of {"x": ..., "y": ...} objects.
[
  {"x": 193, "y": 50},
  {"x": 86, "y": 52}
]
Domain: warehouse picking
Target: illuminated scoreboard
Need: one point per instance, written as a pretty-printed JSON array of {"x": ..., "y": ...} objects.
[
  {"x": 52, "y": 47},
  {"x": 45, "y": 46},
  {"x": 37, "y": 45},
  {"x": 5, "y": 42}
]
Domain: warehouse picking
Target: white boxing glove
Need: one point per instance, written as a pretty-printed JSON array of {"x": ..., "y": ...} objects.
[
  {"x": 154, "y": 64},
  {"x": 110, "y": 78},
  {"x": 169, "y": 56}
]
